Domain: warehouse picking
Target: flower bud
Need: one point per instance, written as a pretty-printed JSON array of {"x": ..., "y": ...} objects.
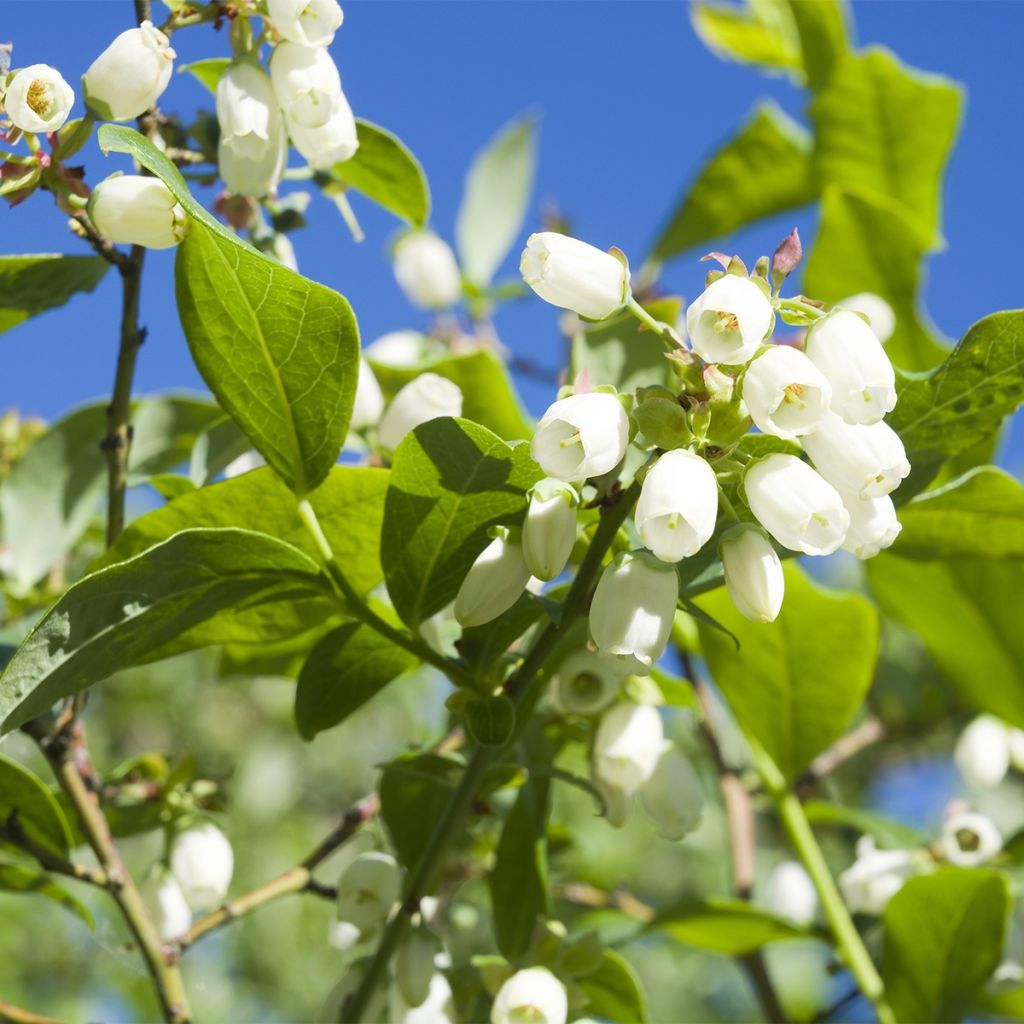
[
  {"x": 880, "y": 314},
  {"x": 38, "y": 99},
  {"x": 171, "y": 912},
  {"x": 306, "y": 82},
  {"x": 982, "y": 752},
  {"x": 678, "y": 505},
  {"x": 574, "y": 275},
  {"x": 133, "y": 209},
  {"x": 801, "y": 510},
  {"x": 970, "y": 839},
  {"x": 846, "y": 351},
  {"x": 398, "y": 348},
  {"x": 533, "y": 995},
  {"x": 253, "y": 144},
  {"x": 367, "y": 890},
  {"x": 438, "y": 1008},
  {"x": 672, "y": 796},
  {"x": 868, "y": 461},
  {"x": 424, "y": 398},
  {"x": 426, "y": 270},
  {"x": 331, "y": 143},
  {"x": 875, "y": 877},
  {"x": 369, "y": 401},
  {"x": 753, "y": 573},
  {"x": 581, "y": 436},
  {"x": 729, "y": 321},
  {"x": 873, "y": 525},
  {"x": 585, "y": 683},
  {"x": 549, "y": 529},
  {"x": 130, "y": 75},
  {"x": 414, "y": 966},
  {"x": 632, "y": 611},
  {"x": 791, "y": 893},
  {"x": 202, "y": 862},
  {"x": 306, "y": 22},
  {"x": 493, "y": 584},
  {"x": 785, "y": 393},
  {"x": 628, "y": 746}
]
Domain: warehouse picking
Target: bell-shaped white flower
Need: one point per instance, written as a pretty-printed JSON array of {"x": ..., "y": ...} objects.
[
  {"x": 130, "y": 75},
  {"x": 331, "y": 143},
  {"x": 202, "y": 862},
  {"x": 533, "y": 995},
  {"x": 672, "y": 796},
  {"x": 367, "y": 890},
  {"x": 581, "y": 436},
  {"x": 982, "y": 752},
  {"x": 753, "y": 572},
  {"x": 167, "y": 904},
  {"x": 574, "y": 275},
  {"x": 791, "y": 893},
  {"x": 785, "y": 393},
  {"x": 729, "y": 320},
  {"x": 873, "y": 525},
  {"x": 847, "y": 352},
  {"x": 875, "y": 877},
  {"x": 426, "y": 270},
  {"x": 494, "y": 582},
  {"x": 414, "y": 965},
  {"x": 678, "y": 505},
  {"x": 38, "y": 99},
  {"x": 306, "y": 22},
  {"x": 424, "y": 398},
  {"x": 549, "y": 529},
  {"x": 969, "y": 839},
  {"x": 881, "y": 315},
  {"x": 867, "y": 460},
  {"x": 633, "y": 608},
  {"x": 398, "y": 348},
  {"x": 253, "y": 143},
  {"x": 306, "y": 82},
  {"x": 134, "y": 209},
  {"x": 585, "y": 682},
  {"x": 437, "y": 1008},
  {"x": 799, "y": 508},
  {"x": 369, "y": 401},
  {"x": 628, "y": 746}
]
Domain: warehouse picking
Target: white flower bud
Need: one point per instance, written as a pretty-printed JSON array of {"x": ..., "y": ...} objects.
[
  {"x": 306, "y": 22},
  {"x": 785, "y": 393},
  {"x": 866, "y": 460},
  {"x": 133, "y": 209},
  {"x": 873, "y": 525},
  {"x": 306, "y": 82},
  {"x": 549, "y": 529},
  {"x": 790, "y": 892},
  {"x": 632, "y": 610},
  {"x": 38, "y": 99},
  {"x": 678, "y": 505},
  {"x": 424, "y": 398},
  {"x": 367, "y": 890},
  {"x": 581, "y": 436},
  {"x": 369, "y": 401},
  {"x": 426, "y": 270},
  {"x": 585, "y": 683},
  {"x": 166, "y": 901},
  {"x": 970, "y": 839},
  {"x": 533, "y": 995},
  {"x": 414, "y": 965},
  {"x": 846, "y": 351},
  {"x": 753, "y": 573},
  {"x": 982, "y": 752},
  {"x": 493, "y": 584},
  {"x": 343, "y": 935},
  {"x": 331, "y": 143},
  {"x": 574, "y": 275},
  {"x": 438, "y": 1008},
  {"x": 253, "y": 144},
  {"x": 876, "y": 309},
  {"x": 875, "y": 877},
  {"x": 202, "y": 862},
  {"x": 130, "y": 75},
  {"x": 800, "y": 509},
  {"x": 628, "y": 745},
  {"x": 672, "y": 796},
  {"x": 398, "y": 348},
  {"x": 729, "y": 320}
]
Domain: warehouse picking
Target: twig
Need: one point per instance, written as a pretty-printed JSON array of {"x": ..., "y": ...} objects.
[
  {"x": 11, "y": 1014},
  {"x": 867, "y": 733},
  {"x": 85, "y": 229},
  {"x": 586, "y": 895},
  {"x": 13, "y": 831}
]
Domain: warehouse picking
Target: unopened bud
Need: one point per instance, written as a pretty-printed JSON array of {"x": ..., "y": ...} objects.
[
  {"x": 494, "y": 582},
  {"x": 672, "y": 796},
  {"x": 130, "y": 75},
  {"x": 424, "y": 398},
  {"x": 549, "y": 529},
  {"x": 426, "y": 270},
  {"x": 628, "y": 746},
  {"x": 753, "y": 572},
  {"x": 202, "y": 862},
  {"x": 134, "y": 209}
]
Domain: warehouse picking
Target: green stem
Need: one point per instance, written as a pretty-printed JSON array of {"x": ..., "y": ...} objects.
[
  {"x": 802, "y": 307},
  {"x": 662, "y": 330},
  {"x": 348, "y": 215}
]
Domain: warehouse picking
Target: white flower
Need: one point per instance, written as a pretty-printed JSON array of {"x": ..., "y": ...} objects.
[
  {"x": 585, "y": 683},
  {"x": 846, "y": 351},
  {"x": 729, "y": 320},
  {"x": 367, "y": 890},
  {"x": 628, "y": 745},
  {"x": 801, "y": 510},
  {"x": 753, "y": 572},
  {"x": 876, "y": 309},
  {"x": 398, "y": 348},
  {"x": 574, "y": 275},
  {"x": 875, "y": 877},
  {"x": 790, "y": 892},
  {"x": 306, "y": 22},
  {"x": 581, "y": 436},
  {"x": 678, "y": 505},
  {"x": 424, "y": 398},
  {"x": 672, "y": 796},
  {"x": 133, "y": 209},
  {"x": 414, "y": 965},
  {"x": 632, "y": 610},
  {"x": 493, "y": 584},
  {"x": 253, "y": 144},
  {"x": 426, "y": 270},
  {"x": 533, "y": 995},
  {"x": 130, "y": 75},
  {"x": 438, "y": 1008},
  {"x": 306, "y": 82},
  {"x": 202, "y": 862},
  {"x": 867, "y": 460},
  {"x": 166, "y": 901},
  {"x": 369, "y": 401},
  {"x": 549, "y": 529},
  {"x": 970, "y": 839},
  {"x": 785, "y": 393},
  {"x": 38, "y": 99},
  {"x": 873, "y": 525},
  {"x": 331, "y": 143},
  {"x": 982, "y": 752}
]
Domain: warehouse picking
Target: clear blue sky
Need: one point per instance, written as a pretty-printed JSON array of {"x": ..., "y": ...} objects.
[{"x": 631, "y": 103}]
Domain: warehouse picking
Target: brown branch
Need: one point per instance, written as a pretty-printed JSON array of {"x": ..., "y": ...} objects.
[
  {"x": 586, "y": 895},
  {"x": 102, "y": 246},
  {"x": 866, "y": 734}
]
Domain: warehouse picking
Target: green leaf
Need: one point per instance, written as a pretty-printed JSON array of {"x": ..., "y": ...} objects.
[
  {"x": 451, "y": 482},
  {"x": 30, "y": 285},
  {"x": 731, "y": 927},
  {"x": 821, "y": 28},
  {"x": 944, "y": 936},
  {"x": 764, "y": 169},
  {"x": 17, "y": 879},
  {"x": 25, "y": 797},
  {"x": 120, "y": 615},
  {"x": 795, "y": 684},
  {"x": 208, "y": 71},
  {"x": 888, "y": 834},
  {"x": 760, "y": 32},
  {"x": 495, "y": 199},
  {"x": 614, "y": 991},
  {"x": 482, "y": 647},
  {"x": 490, "y": 720}
]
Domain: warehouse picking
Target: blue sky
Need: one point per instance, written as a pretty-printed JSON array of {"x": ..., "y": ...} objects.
[{"x": 631, "y": 104}]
